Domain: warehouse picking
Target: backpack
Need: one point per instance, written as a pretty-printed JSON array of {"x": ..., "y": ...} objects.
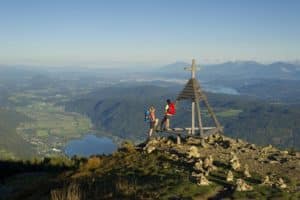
[
  {"x": 172, "y": 109},
  {"x": 146, "y": 116}
]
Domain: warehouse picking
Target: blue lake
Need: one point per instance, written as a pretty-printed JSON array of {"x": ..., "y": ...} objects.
[
  {"x": 90, "y": 145},
  {"x": 220, "y": 89}
]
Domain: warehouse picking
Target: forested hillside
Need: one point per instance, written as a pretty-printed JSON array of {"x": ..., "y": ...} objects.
[
  {"x": 274, "y": 90},
  {"x": 120, "y": 111}
]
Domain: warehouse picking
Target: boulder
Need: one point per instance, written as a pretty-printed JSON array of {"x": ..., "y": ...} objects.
[
  {"x": 239, "y": 141},
  {"x": 268, "y": 149},
  {"x": 208, "y": 163},
  {"x": 233, "y": 156},
  {"x": 151, "y": 145},
  {"x": 235, "y": 165},
  {"x": 202, "y": 180},
  {"x": 234, "y": 162},
  {"x": 284, "y": 152},
  {"x": 229, "y": 177},
  {"x": 246, "y": 171},
  {"x": 169, "y": 143},
  {"x": 210, "y": 139},
  {"x": 266, "y": 181},
  {"x": 203, "y": 143},
  {"x": 218, "y": 137},
  {"x": 199, "y": 165},
  {"x": 245, "y": 150},
  {"x": 272, "y": 161},
  {"x": 242, "y": 186},
  {"x": 280, "y": 184},
  {"x": 215, "y": 138},
  {"x": 252, "y": 147},
  {"x": 193, "y": 141},
  {"x": 150, "y": 149},
  {"x": 193, "y": 152}
]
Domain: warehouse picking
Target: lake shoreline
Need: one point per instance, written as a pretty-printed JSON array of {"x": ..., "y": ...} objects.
[{"x": 90, "y": 144}]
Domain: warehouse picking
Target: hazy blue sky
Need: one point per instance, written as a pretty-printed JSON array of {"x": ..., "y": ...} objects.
[{"x": 107, "y": 33}]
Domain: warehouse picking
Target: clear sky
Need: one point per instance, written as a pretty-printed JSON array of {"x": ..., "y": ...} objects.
[{"x": 134, "y": 32}]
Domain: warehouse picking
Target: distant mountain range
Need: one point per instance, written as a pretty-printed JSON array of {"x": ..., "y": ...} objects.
[{"x": 236, "y": 70}]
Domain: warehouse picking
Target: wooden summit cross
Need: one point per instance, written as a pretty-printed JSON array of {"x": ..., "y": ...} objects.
[{"x": 192, "y": 91}]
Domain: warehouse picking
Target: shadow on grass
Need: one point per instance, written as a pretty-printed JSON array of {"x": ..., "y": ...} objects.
[
  {"x": 221, "y": 164},
  {"x": 11, "y": 167}
]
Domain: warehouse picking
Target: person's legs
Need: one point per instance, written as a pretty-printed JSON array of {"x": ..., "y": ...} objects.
[
  {"x": 150, "y": 132},
  {"x": 163, "y": 122},
  {"x": 168, "y": 121},
  {"x": 151, "y": 129},
  {"x": 155, "y": 124}
]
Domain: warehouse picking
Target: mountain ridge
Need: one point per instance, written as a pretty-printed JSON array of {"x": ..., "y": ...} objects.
[
  {"x": 211, "y": 167},
  {"x": 237, "y": 70}
]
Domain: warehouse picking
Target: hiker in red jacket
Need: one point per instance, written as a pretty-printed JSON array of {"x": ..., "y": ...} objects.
[{"x": 169, "y": 112}]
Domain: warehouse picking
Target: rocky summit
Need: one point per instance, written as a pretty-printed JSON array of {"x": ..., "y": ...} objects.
[
  {"x": 235, "y": 167},
  {"x": 213, "y": 167}
]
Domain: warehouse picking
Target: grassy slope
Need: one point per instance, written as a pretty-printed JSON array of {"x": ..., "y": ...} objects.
[{"x": 132, "y": 173}]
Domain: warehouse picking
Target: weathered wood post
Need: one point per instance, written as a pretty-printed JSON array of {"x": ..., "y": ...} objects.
[
  {"x": 195, "y": 100},
  {"x": 193, "y": 75},
  {"x": 178, "y": 139},
  {"x": 199, "y": 119},
  {"x": 193, "y": 118}
]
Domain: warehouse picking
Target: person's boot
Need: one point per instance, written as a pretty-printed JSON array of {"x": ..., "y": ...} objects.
[
  {"x": 167, "y": 128},
  {"x": 161, "y": 128}
]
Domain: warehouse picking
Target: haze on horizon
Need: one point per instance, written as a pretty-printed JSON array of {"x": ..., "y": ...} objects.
[{"x": 126, "y": 33}]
